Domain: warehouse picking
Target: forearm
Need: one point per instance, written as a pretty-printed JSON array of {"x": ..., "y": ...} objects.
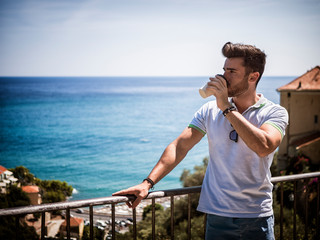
[{"x": 255, "y": 138}]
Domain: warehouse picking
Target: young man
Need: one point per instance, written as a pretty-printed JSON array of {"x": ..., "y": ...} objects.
[{"x": 243, "y": 129}]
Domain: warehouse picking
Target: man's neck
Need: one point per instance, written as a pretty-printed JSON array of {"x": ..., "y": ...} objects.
[{"x": 245, "y": 101}]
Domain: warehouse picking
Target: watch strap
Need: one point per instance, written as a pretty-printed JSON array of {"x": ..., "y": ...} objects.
[{"x": 229, "y": 109}]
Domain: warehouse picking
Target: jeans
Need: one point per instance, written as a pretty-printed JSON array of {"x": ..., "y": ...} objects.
[{"x": 226, "y": 228}]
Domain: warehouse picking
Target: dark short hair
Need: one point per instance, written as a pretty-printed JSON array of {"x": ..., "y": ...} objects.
[{"x": 254, "y": 58}]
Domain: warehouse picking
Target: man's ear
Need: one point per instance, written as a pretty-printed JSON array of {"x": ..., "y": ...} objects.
[{"x": 253, "y": 77}]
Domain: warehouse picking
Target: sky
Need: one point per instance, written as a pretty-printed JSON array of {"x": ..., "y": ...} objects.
[{"x": 154, "y": 37}]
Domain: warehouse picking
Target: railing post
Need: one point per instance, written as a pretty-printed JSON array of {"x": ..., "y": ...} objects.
[
  {"x": 205, "y": 224},
  {"x": 43, "y": 225},
  {"x": 17, "y": 226},
  {"x": 294, "y": 210},
  {"x": 153, "y": 219},
  {"x": 172, "y": 217},
  {"x": 281, "y": 211},
  {"x": 318, "y": 210},
  {"x": 306, "y": 213},
  {"x": 134, "y": 216},
  {"x": 189, "y": 217},
  {"x": 91, "y": 221},
  {"x": 113, "y": 214},
  {"x": 68, "y": 223}
]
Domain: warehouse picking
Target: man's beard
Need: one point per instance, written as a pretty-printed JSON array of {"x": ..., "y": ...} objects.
[{"x": 241, "y": 87}]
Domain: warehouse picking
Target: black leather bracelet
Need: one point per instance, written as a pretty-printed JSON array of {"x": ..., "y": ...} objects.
[
  {"x": 229, "y": 109},
  {"x": 149, "y": 181}
]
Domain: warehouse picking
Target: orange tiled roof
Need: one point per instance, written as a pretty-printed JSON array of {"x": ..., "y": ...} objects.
[
  {"x": 74, "y": 222},
  {"x": 30, "y": 189},
  {"x": 310, "y": 81},
  {"x": 2, "y": 169}
]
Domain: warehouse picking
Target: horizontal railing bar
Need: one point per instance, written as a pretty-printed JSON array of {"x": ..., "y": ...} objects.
[
  {"x": 93, "y": 202},
  {"x": 294, "y": 177},
  {"x": 119, "y": 199}
]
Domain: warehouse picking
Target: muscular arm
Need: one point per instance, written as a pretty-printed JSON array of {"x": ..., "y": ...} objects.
[
  {"x": 171, "y": 157},
  {"x": 262, "y": 141}
]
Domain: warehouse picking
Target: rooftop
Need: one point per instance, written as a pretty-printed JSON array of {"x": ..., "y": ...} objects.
[
  {"x": 310, "y": 81},
  {"x": 74, "y": 222},
  {"x": 30, "y": 189},
  {"x": 2, "y": 169}
]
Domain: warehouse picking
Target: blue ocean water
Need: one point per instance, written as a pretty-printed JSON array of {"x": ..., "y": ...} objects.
[{"x": 101, "y": 134}]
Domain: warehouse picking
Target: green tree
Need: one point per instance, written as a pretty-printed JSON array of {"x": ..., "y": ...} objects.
[
  {"x": 148, "y": 209},
  {"x": 54, "y": 190},
  {"x": 23, "y": 175},
  {"x": 97, "y": 233},
  {"x": 15, "y": 197},
  {"x": 8, "y": 230},
  {"x": 297, "y": 164},
  {"x": 51, "y": 190}
]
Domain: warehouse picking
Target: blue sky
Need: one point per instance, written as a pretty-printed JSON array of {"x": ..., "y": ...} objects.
[{"x": 153, "y": 37}]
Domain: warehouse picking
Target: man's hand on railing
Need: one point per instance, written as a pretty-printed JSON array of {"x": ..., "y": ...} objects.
[{"x": 140, "y": 191}]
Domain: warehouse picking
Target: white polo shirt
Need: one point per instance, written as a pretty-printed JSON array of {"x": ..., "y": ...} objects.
[{"x": 237, "y": 182}]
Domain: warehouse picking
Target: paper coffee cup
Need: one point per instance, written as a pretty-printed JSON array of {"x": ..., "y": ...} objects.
[{"x": 202, "y": 91}]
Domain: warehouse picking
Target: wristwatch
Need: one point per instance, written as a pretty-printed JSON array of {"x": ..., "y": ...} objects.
[{"x": 229, "y": 109}]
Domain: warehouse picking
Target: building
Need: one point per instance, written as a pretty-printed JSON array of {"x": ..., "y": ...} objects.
[
  {"x": 6, "y": 179},
  {"x": 76, "y": 228},
  {"x": 301, "y": 98},
  {"x": 33, "y": 193}
]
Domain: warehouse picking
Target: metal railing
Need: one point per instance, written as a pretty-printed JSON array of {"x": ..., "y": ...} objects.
[{"x": 68, "y": 205}]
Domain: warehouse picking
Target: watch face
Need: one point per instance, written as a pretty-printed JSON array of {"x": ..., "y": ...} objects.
[{"x": 229, "y": 109}]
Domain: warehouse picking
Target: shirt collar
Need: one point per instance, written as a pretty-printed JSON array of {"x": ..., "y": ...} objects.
[{"x": 261, "y": 102}]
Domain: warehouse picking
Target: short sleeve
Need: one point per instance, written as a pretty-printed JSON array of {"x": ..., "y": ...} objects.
[
  {"x": 198, "y": 122},
  {"x": 278, "y": 118}
]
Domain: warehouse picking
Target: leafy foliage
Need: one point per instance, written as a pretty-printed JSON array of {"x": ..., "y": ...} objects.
[
  {"x": 51, "y": 190},
  {"x": 97, "y": 233},
  {"x": 15, "y": 197},
  {"x": 23, "y": 175},
  {"x": 8, "y": 230},
  {"x": 54, "y": 190},
  {"x": 306, "y": 191}
]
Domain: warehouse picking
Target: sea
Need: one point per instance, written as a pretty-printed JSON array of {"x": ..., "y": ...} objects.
[{"x": 102, "y": 134}]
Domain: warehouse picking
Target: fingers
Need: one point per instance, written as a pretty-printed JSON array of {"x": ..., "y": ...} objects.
[
  {"x": 217, "y": 82},
  {"x": 129, "y": 191},
  {"x": 129, "y": 204},
  {"x": 136, "y": 202},
  {"x": 125, "y": 192},
  {"x": 122, "y": 192}
]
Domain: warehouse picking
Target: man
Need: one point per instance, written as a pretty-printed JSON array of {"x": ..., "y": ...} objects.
[{"x": 243, "y": 129}]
